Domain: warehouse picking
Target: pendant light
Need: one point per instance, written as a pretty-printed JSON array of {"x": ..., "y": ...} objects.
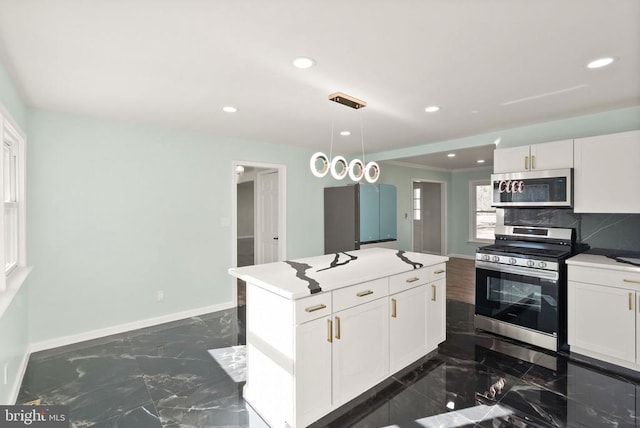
[{"x": 320, "y": 164}]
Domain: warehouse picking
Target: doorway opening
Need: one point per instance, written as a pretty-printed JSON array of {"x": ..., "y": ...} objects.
[
  {"x": 429, "y": 211},
  {"x": 259, "y": 217}
]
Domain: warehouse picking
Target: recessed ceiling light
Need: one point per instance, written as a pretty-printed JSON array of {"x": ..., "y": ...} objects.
[
  {"x": 303, "y": 62},
  {"x": 451, "y": 155},
  {"x": 480, "y": 160},
  {"x": 229, "y": 109},
  {"x": 475, "y": 111},
  {"x": 600, "y": 62},
  {"x": 432, "y": 109},
  {"x": 345, "y": 133}
]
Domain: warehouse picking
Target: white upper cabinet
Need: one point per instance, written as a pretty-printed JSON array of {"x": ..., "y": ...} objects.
[
  {"x": 554, "y": 155},
  {"x": 607, "y": 173}
]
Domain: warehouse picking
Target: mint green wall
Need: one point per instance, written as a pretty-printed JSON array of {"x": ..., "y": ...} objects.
[
  {"x": 14, "y": 338},
  {"x": 118, "y": 211},
  {"x": 459, "y": 240},
  {"x": 401, "y": 176},
  {"x": 11, "y": 100}
]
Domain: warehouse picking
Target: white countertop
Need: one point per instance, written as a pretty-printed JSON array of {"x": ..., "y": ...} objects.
[
  {"x": 295, "y": 279},
  {"x": 602, "y": 262}
]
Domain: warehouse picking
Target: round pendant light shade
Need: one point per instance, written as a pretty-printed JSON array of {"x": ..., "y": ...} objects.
[
  {"x": 356, "y": 170},
  {"x": 319, "y": 164},
  {"x": 339, "y": 168},
  {"x": 372, "y": 172}
]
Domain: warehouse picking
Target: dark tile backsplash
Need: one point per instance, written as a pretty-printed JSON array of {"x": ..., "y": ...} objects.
[{"x": 615, "y": 231}]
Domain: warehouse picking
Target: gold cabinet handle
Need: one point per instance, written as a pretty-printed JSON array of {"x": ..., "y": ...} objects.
[
  {"x": 438, "y": 272},
  {"x": 632, "y": 281},
  {"x": 315, "y": 308},
  {"x": 414, "y": 279},
  {"x": 433, "y": 295},
  {"x": 638, "y": 303},
  {"x": 630, "y": 301},
  {"x": 337, "y": 327},
  {"x": 394, "y": 308},
  {"x": 533, "y": 162},
  {"x": 364, "y": 293},
  {"x": 329, "y": 331},
  {"x": 526, "y": 162}
]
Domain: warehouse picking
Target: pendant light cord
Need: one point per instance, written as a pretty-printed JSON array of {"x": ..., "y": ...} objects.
[
  {"x": 362, "y": 139},
  {"x": 331, "y": 147}
]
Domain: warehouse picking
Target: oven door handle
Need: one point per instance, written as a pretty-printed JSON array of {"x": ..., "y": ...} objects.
[{"x": 517, "y": 270}]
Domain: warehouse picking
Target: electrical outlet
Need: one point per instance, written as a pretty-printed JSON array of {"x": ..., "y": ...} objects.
[
  {"x": 160, "y": 296},
  {"x": 6, "y": 373}
]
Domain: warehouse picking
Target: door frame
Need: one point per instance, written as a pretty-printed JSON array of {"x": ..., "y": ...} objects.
[
  {"x": 282, "y": 212},
  {"x": 444, "y": 250}
]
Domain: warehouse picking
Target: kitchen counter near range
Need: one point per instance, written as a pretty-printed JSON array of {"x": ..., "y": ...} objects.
[
  {"x": 295, "y": 279},
  {"x": 597, "y": 259}
]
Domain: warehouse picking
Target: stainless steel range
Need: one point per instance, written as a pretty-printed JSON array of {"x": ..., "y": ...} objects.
[{"x": 521, "y": 284}]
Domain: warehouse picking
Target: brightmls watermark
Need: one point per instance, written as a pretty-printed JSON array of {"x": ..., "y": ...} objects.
[{"x": 34, "y": 416}]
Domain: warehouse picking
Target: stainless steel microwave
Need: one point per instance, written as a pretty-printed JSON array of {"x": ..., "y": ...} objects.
[{"x": 549, "y": 188}]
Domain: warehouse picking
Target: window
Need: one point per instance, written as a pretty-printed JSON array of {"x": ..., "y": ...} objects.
[
  {"x": 12, "y": 195},
  {"x": 483, "y": 215},
  {"x": 416, "y": 203}
]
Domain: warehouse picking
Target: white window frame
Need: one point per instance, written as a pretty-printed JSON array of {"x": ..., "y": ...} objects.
[
  {"x": 473, "y": 229},
  {"x": 13, "y": 143},
  {"x": 417, "y": 200}
]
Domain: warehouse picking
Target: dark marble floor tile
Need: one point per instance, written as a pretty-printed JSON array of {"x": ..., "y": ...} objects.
[
  {"x": 217, "y": 403},
  {"x": 87, "y": 407},
  {"x": 69, "y": 374},
  {"x": 167, "y": 376},
  {"x": 458, "y": 382},
  {"x": 140, "y": 417},
  {"x": 81, "y": 347},
  {"x": 185, "y": 341},
  {"x": 403, "y": 409},
  {"x": 361, "y": 407}
]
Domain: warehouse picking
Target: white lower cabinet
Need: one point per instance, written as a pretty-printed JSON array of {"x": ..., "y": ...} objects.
[
  {"x": 436, "y": 313},
  {"x": 602, "y": 321},
  {"x": 604, "y": 315},
  {"x": 312, "y": 379},
  {"x": 360, "y": 349},
  {"x": 407, "y": 327}
]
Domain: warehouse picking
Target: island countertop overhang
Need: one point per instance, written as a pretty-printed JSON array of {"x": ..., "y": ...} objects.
[{"x": 295, "y": 279}]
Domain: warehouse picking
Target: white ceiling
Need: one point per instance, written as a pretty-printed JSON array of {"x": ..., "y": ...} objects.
[{"x": 489, "y": 64}]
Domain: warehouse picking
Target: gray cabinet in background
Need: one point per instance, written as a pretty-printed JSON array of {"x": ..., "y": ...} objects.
[{"x": 359, "y": 214}]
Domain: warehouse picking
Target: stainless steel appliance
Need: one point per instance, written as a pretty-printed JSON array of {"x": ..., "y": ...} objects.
[
  {"x": 521, "y": 284},
  {"x": 550, "y": 188}
]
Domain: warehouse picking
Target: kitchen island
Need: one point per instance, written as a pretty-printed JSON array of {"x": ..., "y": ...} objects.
[{"x": 323, "y": 330}]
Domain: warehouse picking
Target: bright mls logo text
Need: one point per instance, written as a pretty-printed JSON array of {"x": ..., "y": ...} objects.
[{"x": 38, "y": 416}]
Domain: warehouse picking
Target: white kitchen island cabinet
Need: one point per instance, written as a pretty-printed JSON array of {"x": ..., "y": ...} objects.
[{"x": 323, "y": 330}]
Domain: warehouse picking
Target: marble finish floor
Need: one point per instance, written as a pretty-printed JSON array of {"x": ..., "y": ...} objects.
[{"x": 164, "y": 376}]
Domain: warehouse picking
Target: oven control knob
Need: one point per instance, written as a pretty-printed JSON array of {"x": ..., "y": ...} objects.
[
  {"x": 496, "y": 258},
  {"x": 542, "y": 264},
  {"x": 486, "y": 257},
  {"x": 530, "y": 263},
  {"x": 513, "y": 261}
]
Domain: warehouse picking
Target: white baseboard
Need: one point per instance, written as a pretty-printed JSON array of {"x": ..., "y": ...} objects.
[
  {"x": 17, "y": 382},
  {"x": 121, "y": 328}
]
